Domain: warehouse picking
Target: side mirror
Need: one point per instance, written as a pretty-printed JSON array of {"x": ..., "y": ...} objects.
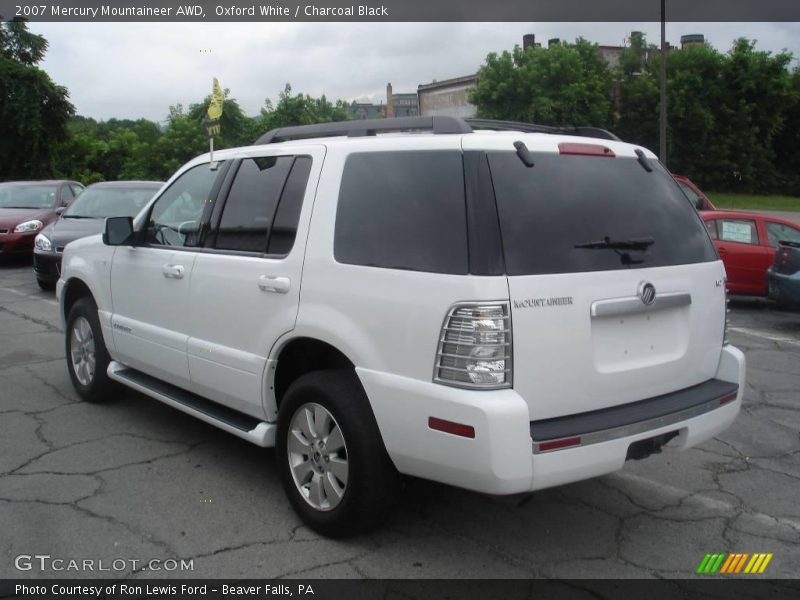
[
  {"x": 60, "y": 210},
  {"x": 119, "y": 231}
]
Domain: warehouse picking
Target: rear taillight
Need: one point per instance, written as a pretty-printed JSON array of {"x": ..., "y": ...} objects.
[
  {"x": 475, "y": 347},
  {"x": 782, "y": 257},
  {"x": 725, "y": 340}
]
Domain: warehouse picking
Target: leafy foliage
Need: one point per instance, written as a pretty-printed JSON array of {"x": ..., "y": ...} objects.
[
  {"x": 299, "y": 110},
  {"x": 732, "y": 118},
  {"x": 566, "y": 84},
  {"x": 33, "y": 110}
]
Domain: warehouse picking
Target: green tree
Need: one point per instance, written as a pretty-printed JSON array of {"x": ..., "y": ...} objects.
[
  {"x": 566, "y": 84},
  {"x": 299, "y": 109},
  {"x": 33, "y": 110},
  {"x": 237, "y": 129},
  {"x": 787, "y": 142},
  {"x": 726, "y": 112}
]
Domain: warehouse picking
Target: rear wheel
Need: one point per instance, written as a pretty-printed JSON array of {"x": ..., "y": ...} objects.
[
  {"x": 333, "y": 464},
  {"x": 87, "y": 357}
]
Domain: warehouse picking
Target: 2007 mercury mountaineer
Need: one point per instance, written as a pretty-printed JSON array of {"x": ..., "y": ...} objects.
[{"x": 500, "y": 307}]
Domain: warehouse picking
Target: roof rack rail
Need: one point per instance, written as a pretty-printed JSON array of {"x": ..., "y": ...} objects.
[
  {"x": 594, "y": 132},
  {"x": 366, "y": 127}
]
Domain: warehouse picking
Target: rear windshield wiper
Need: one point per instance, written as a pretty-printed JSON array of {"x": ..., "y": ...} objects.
[{"x": 608, "y": 243}]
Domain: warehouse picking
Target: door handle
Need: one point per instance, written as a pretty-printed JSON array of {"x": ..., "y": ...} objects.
[
  {"x": 722, "y": 250},
  {"x": 172, "y": 271},
  {"x": 279, "y": 285}
]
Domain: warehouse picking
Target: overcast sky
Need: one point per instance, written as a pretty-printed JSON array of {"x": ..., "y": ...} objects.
[{"x": 133, "y": 70}]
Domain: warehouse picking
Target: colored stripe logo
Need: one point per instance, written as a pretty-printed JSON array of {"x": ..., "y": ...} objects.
[{"x": 734, "y": 563}]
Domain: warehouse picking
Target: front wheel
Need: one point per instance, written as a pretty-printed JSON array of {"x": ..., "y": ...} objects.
[
  {"x": 331, "y": 457},
  {"x": 87, "y": 357}
]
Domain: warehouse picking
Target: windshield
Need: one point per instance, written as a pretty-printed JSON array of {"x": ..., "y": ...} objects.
[
  {"x": 696, "y": 200},
  {"x": 101, "y": 202},
  {"x": 28, "y": 196}
]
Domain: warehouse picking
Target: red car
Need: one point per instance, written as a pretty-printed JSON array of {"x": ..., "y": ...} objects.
[
  {"x": 26, "y": 207},
  {"x": 746, "y": 243},
  {"x": 698, "y": 198}
]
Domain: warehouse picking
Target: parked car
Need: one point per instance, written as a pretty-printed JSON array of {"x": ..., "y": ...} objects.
[
  {"x": 26, "y": 207},
  {"x": 498, "y": 311},
  {"x": 86, "y": 216},
  {"x": 746, "y": 243},
  {"x": 783, "y": 277},
  {"x": 695, "y": 195}
]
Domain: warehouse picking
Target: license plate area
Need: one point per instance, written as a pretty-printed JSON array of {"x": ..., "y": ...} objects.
[{"x": 641, "y": 449}]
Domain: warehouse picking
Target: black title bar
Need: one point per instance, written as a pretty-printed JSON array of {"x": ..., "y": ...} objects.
[{"x": 402, "y": 10}]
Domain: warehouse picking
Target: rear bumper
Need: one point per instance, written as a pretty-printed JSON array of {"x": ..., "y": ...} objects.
[
  {"x": 502, "y": 457},
  {"x": 784, "y": 289}
]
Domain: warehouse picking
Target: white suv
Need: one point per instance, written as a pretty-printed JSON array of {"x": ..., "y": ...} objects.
[{"x": 500, "y": 310}]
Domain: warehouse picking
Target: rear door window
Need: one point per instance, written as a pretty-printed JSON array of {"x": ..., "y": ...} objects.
[
  {"x": 742, "y": 231},
  {"x": 569, "y": 214},
  {"x": 403, "y": 210}
]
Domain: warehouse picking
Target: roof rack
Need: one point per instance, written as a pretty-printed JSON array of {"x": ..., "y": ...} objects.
[
  {"x": 366, "y": 127},
  {"x": 436, "y": 125},
  {"x": 492, "y": 124}
]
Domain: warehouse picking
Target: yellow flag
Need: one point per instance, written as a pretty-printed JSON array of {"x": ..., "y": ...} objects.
[{"x": 217, "y": 97}]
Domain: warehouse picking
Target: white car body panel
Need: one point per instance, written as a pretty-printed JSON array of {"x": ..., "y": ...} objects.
[{"x": 217, "y": 334}]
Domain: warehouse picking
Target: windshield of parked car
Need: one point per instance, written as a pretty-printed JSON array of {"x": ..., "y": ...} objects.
[
  {"x": 696, "y": 200},
  {"x": 28, "y": 196},
  {"x": 102, "y": 202}
]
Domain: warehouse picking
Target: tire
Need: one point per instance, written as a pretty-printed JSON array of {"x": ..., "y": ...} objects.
[
  {"x": 84, "y": 344},
  {"x": 339, "y": 489},
  {"x": 46, "y": 286}
]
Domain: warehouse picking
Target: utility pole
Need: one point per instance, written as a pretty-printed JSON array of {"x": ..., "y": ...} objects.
[{"x": 662, "y": 126}]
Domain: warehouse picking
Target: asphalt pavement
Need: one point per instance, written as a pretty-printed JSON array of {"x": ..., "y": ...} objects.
[{"x": 135, "y": 481}]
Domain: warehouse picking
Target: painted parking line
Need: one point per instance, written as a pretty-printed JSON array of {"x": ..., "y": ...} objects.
[
  {"x": 773, "y": 337},
  {"x": 30, "y": 296}
]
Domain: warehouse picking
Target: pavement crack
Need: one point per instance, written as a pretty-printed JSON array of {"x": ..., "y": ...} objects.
[{"x": 46, "y": 324}]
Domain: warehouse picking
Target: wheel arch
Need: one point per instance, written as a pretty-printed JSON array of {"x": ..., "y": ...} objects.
[
  {"x": 74, "y": 289},
  {"x": 296, "y": 357}
]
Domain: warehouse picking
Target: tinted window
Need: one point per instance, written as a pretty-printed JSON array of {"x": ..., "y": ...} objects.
[
  {"x": 76, "y": 189},
  {"x": 176, "y": 216},
  {"x": 778, "y": 232},
  {"x": 251, "y": 203},
  {"x": 564, "y": 201},
  {"x": 284, "y": 228},
  {"x": 403, "y": 210},
  {"x": 742, "y": 231},
  {"x": 66, "y": 195}
]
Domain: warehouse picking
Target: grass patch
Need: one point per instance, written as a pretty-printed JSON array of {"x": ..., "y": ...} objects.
[{"x": 753, "y": 202}]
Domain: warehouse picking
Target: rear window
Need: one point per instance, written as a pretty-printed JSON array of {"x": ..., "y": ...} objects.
[
  {"x": 547, "y": 210},
  {"x": 403, "y": 210}
]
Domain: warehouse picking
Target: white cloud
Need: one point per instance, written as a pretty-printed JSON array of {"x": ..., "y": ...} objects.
[{"x": 132, "y": 70}]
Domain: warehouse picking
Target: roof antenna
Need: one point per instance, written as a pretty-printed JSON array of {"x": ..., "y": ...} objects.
[{"x": 524, "y": 154}]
